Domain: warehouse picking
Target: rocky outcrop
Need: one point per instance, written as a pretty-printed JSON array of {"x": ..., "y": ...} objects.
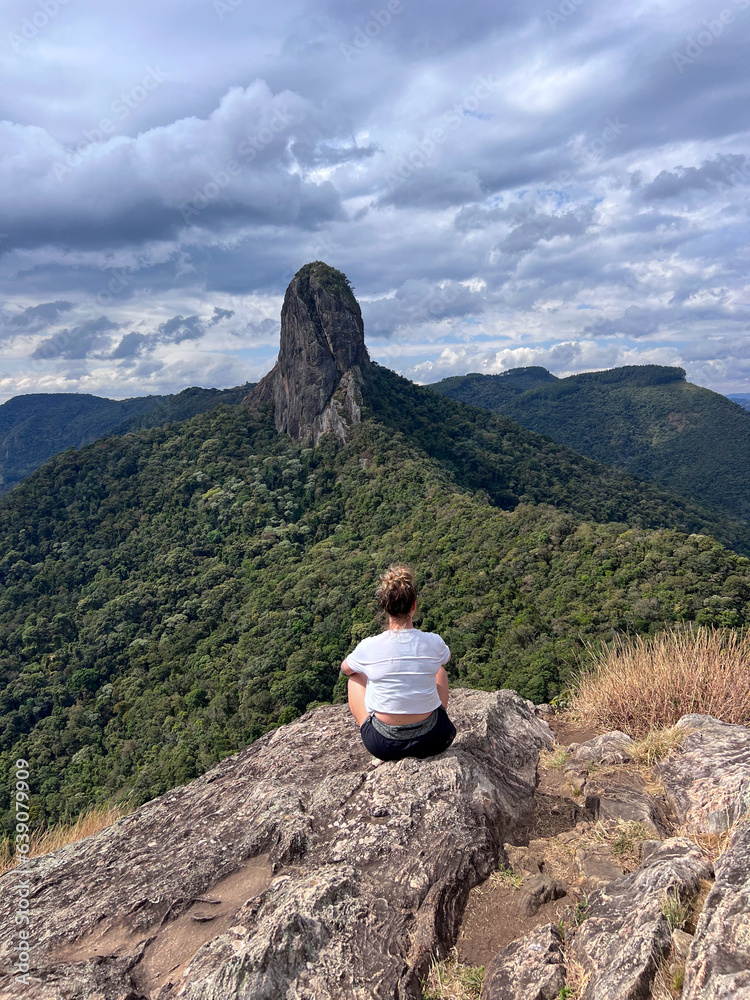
[
  {"x": 538, "y": 890},
  {"x": 626, "y": 798},
  {"x": 624, "y": 931},
  {"x": 297, "y": 870},
  {"x": 630, "y": 929},
  {"x": 718, "y": 963},
  {"x": 293, "y": 869},
  {"x": 531, "y": 968},
  {"x": 707, "y": 781},
  {"x": 619, "y": 794},
  {"x": 315, "y": 386}
]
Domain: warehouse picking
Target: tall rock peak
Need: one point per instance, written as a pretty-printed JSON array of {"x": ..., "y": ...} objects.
[{"x": 315, "y": 386}]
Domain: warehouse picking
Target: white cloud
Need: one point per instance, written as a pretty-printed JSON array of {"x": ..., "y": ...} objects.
[{"x": 584, "y": 207}]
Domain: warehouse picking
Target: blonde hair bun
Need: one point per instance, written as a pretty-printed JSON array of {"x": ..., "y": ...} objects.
[{"x": 397, "y": 592}]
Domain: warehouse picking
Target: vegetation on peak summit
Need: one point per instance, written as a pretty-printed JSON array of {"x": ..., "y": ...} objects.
[{"x": 333, "y": 281}]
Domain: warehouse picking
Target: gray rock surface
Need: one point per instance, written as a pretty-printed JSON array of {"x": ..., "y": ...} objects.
[
  {"x": 624, "y": 932},
  {"x": 596, "y": 866},
  {"x": 681, "y": 942},
  {"x": 531, "y": 968},
  {"x": 292, "y": 870},
  {"x": 314, "y": 386},
  {"x": 538, "y": 890},
  {"x": 609, "y": 748},
  {"x": 718, "y": 964},
  {"x": 625, "y": 797},
  {"x": 707, "y": 780}
]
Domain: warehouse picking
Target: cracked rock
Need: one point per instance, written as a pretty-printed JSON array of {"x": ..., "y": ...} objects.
[
  {"x": 528, "y": 969},
  {"x": 718, "y": 963},
  {"x": 624, "y": 932}
]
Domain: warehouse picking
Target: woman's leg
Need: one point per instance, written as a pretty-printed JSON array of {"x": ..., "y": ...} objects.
[{"x": 356, "y": 696}]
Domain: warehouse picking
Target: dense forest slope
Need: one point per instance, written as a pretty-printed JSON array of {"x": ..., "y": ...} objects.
[
  {"x": 169, "y": 595},
  {"x": 645, "y": 419},
  {"x": 37, "y": 426}
]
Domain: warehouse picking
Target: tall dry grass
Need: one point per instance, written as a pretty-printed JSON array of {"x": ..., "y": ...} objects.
[
  {"x": 638, "y": 685},
  {"x": 43, "y": 841}
]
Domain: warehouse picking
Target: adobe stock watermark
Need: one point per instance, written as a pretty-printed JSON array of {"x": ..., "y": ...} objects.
[
  {"x": 565, "y": 10},
  {"x": 452, "y": 119},
  {"x": 120, "y": 109},
  {"x": 711, "y": 29},
  {"x": 30, "y": 27},
  {"x": 589, "y": 152},
  {"x": 56, "y": 346},
  {"x": 247, "y": 150},
  {"x": 224, "y": 7},
  {"x": 369, "y": 30},
  {"x": 118, "y": 283},
  {"x": 22, "y": 918}
]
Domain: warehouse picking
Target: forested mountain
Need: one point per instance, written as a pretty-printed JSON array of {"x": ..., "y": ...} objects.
[
  {"x": 645, "y": 419},
  {"x": 37, "y": 426},
  {"x": 743, "y": 398},
  {"x": 169, "y": 595}
]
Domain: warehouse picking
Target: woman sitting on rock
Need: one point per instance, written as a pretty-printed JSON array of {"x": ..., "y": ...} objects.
[{"x": 398, "y": 687}]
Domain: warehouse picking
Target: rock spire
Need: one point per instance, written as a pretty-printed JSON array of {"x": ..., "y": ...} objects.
[{"x": 315, "y": 386}]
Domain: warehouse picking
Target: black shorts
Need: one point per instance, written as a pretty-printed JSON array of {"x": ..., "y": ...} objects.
[{"x": 439, "y": 738}]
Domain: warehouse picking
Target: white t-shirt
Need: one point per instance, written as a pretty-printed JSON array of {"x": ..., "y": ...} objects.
[{"x": 401, "y": 667}]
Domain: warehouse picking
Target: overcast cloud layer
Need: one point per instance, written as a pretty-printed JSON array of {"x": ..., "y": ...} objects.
[{"x": 563, "y": 184}]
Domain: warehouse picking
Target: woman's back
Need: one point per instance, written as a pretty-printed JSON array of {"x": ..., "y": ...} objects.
[
  {"x": 398, "y": 688},
  {"x": 401, "y": 666}
]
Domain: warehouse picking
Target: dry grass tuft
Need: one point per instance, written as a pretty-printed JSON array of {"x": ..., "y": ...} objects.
[
  {"x": 697, "y": 903},
  {"x": 553, "y": 759},
  {"x": 668, "y": 980},
  {"x": 577, "y": 979},
  {"x": 624, "y": 838},
  {"x": 559, "y": 861},
  {"x": 657, "y": 744},
  {"x": 675, "y": 910},
  {"x": 505, "y": 877},
  {"x": 450, "y": 980},
  {"x": 639, "y": 685},
  {"x": 713, "y": 845},
  {"x": 43, "y": 841}
]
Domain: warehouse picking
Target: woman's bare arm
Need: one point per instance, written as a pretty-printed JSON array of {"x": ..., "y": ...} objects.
[
  {"x": 346, "y": 669},
  {"x": 442, "y": 686}
]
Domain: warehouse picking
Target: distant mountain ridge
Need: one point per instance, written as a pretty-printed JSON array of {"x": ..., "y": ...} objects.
[
  {"x": 647, "y": 420},
  {"x": 742, "y": 398},
  {"x": 36, "y": 426}
]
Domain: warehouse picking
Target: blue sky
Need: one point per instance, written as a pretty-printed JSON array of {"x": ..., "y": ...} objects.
[{"x": 563, "y": 184}]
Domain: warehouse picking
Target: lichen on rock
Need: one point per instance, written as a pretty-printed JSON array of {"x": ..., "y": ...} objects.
[
  {"x": 329, "y": 879},
  {"x": 718, "y": 962}
]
